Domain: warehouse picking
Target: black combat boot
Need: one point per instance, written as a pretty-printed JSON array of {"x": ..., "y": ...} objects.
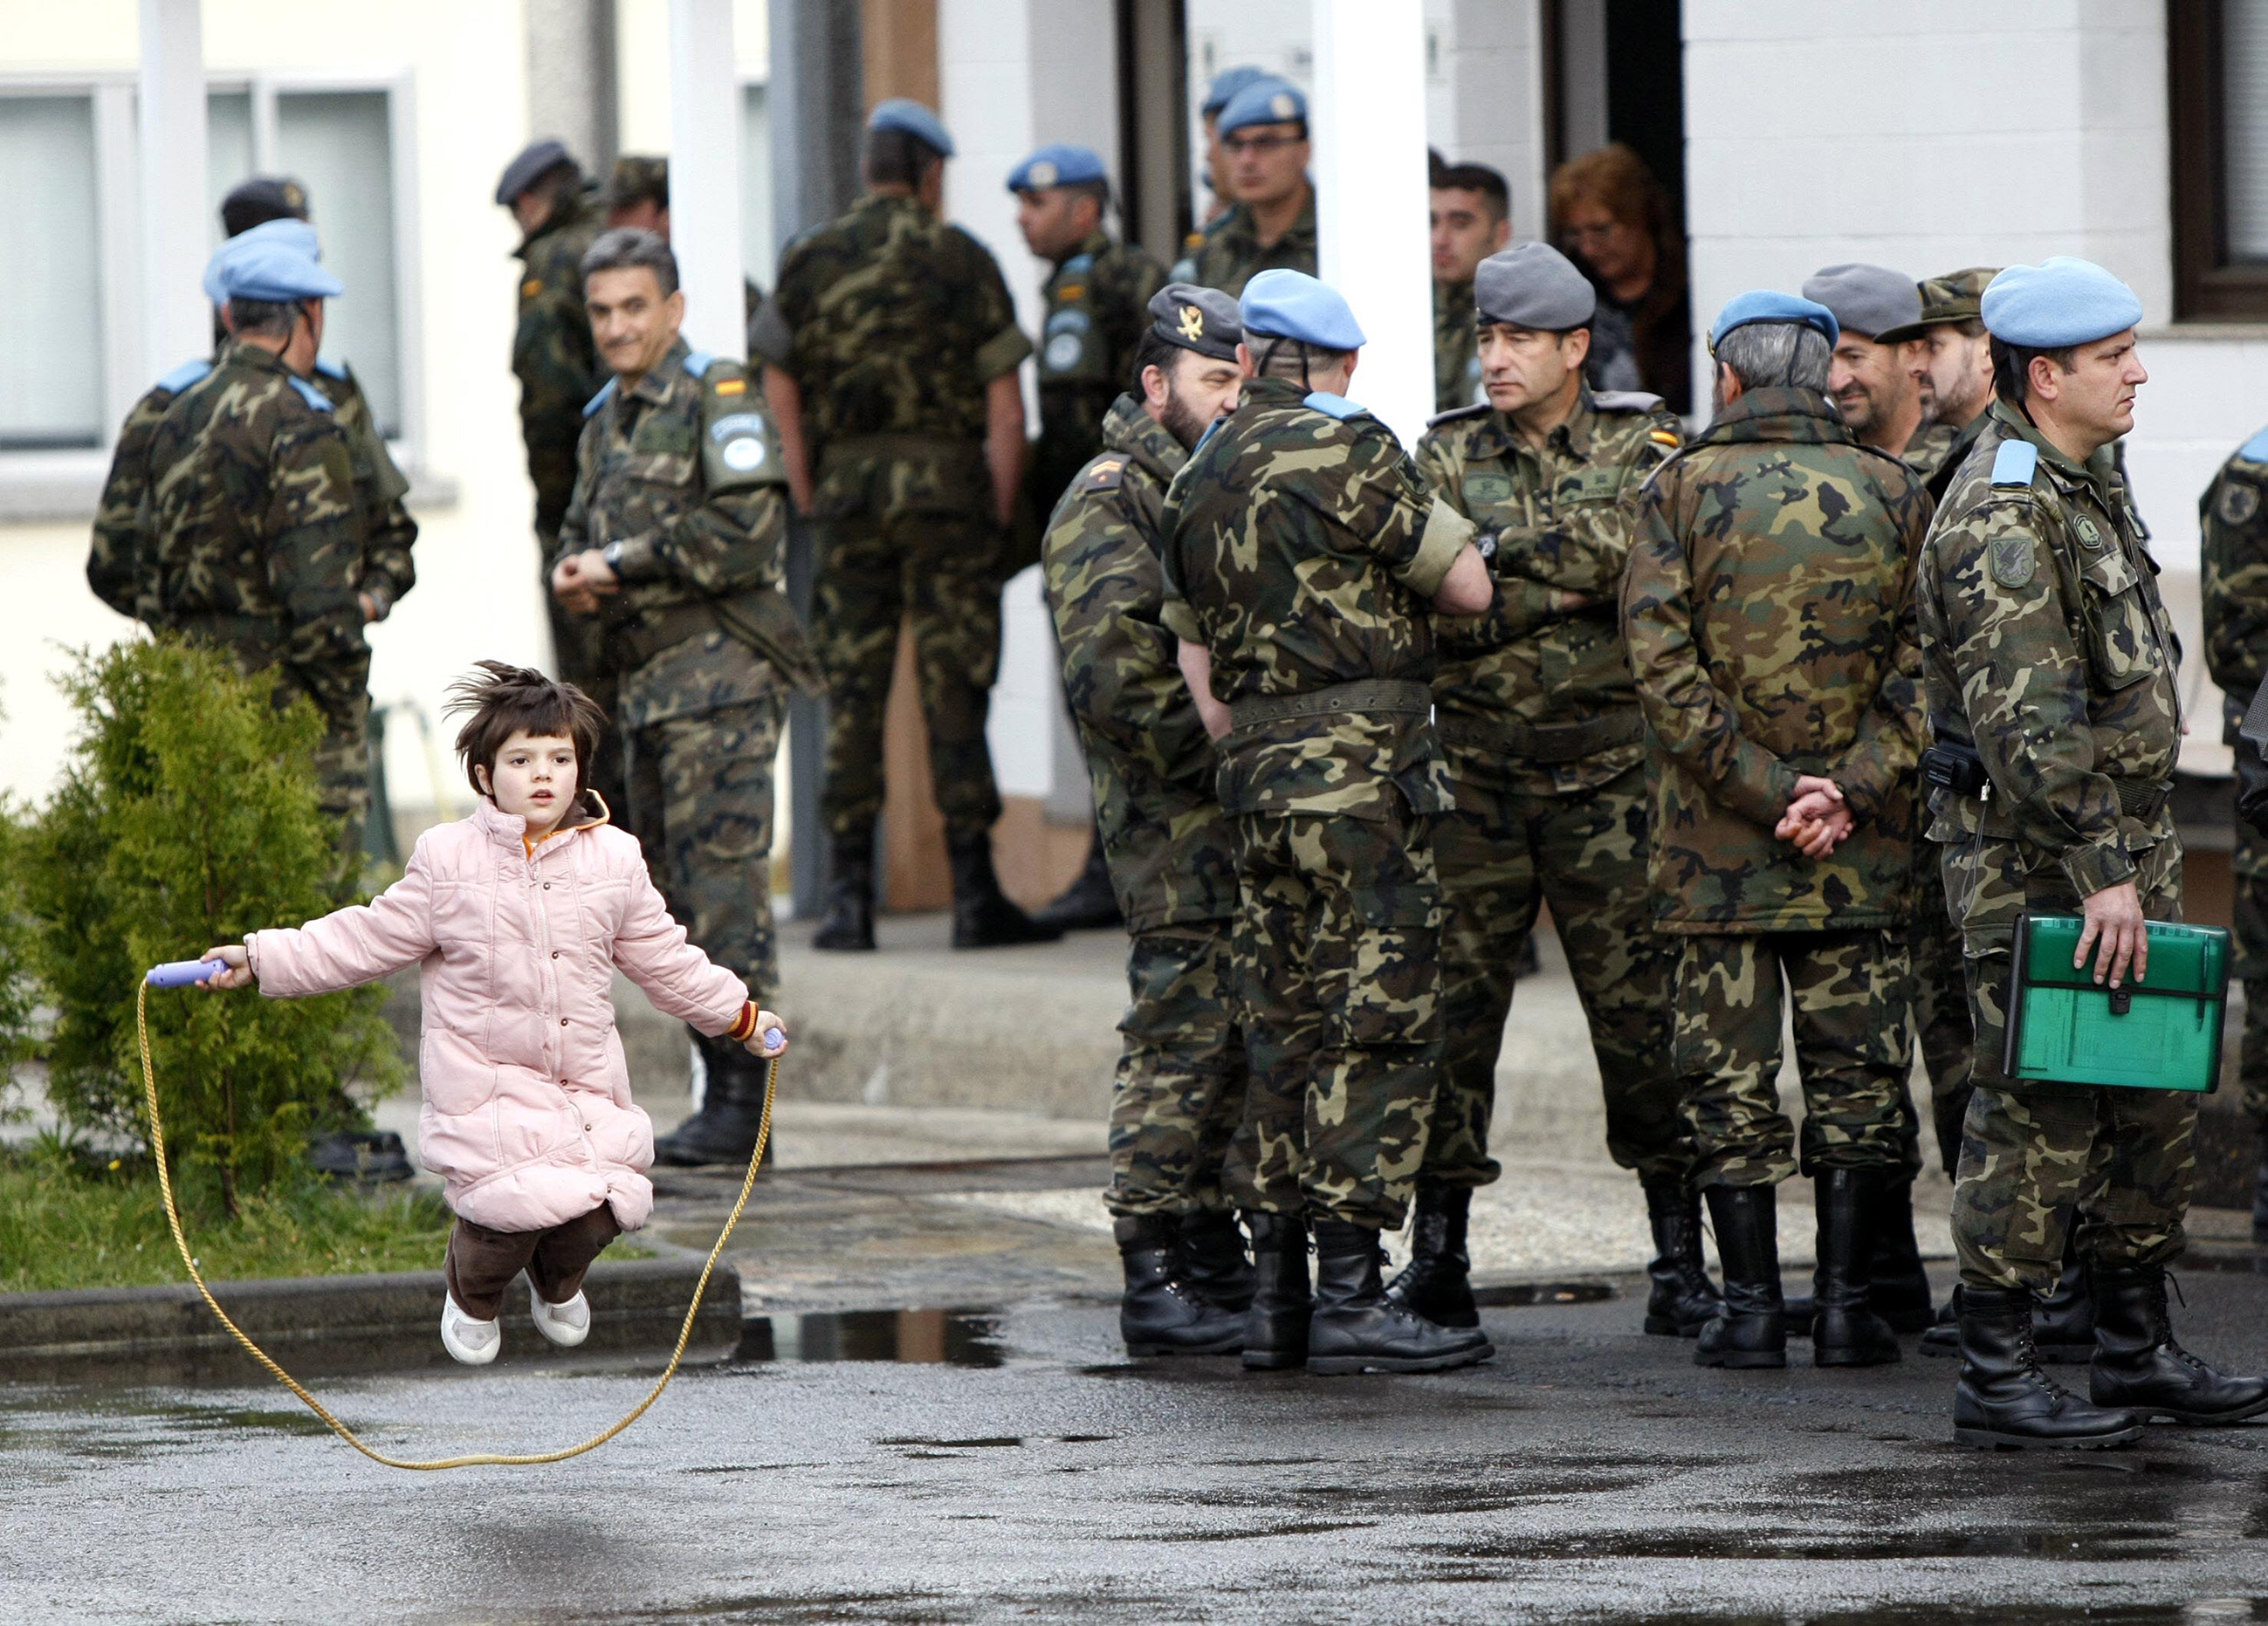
[
  {"x": 732, "y": 1108},
  {"x": 1213, "y": 1260},
  {"x": 1683, "y": 1299},
  {"x": 2004, "y": 1399},
  {"x": 1844, "y": 1329},
  {"x": 1276, "y": 1326},
  {"x": 2063, "y": 1323},
  {"x": 1897, "y": 1287},
  {"x": 1437, "y": 1283},
  {"x": 1357, "y": 1329},
  {"x": 1089, "y": 903},
  {"x": 848, "y": 926},
  {"x": 1160, "y": 1313},
  {"x": 982, "y": 917},
  {"x": 1943, "y": 1340},
  {"x": 2140, "y": 1364},
  {"x": 1748, "y": 1329}
]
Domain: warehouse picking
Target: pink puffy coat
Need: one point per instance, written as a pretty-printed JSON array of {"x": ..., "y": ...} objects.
[{"x": 528, "y": 1115}]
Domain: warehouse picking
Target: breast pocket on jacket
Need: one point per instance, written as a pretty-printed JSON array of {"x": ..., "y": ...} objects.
[{"x": 2122, "y": 645}]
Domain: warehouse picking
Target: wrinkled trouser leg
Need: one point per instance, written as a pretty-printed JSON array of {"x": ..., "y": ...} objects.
[{"x": 1179, "y": 1100}]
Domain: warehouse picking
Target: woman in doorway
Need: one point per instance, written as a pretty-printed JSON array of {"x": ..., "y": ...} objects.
[{"x": 1611, "y": 217}]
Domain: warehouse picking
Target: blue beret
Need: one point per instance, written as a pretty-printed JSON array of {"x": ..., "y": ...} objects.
[
  {"x": 902, "y": 112},
  {"x": 1058, "y": 164},
  {"x": 294, "y": 234},
  {"x": 1769, "y": 305},
  {"x": 1225, "y": 86},
  {"x": 1292, "y": 304},
  {"x": 1266, "y": 100},
  {"x": 2059, "y": 302},
  {"x": 525, "y": 170},
  {"x": 250, "y": 267}
]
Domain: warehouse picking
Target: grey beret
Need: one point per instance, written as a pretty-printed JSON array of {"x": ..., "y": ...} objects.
[
  {"x": 1204, "y": 319},
  {"x": 523, "y": 171},
  {"x": 1866, "y": 299},
  {"x": 1533, "y": 286}
]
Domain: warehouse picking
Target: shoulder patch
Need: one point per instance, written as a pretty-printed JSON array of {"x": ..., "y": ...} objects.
[
  {"x": 332, "y": 369},
  {"x": 313, "y": 396},
  {"x": 187, "y": 373},
  {"x": 1456, "y": 414},
  {"x": 2013, "y": 464},
  {"x": 2240, "y": 500},
  {"x": 2013, "y": 558},
  {"x": 1664, "y": 436},
  {"x": 532, "y": 287},
  {"x": 729, "y": 387},
  {"x": 698, "y": 362},
  {"x": 1626, "y": 401},
  {"x": 2256, "y": 448},
  {"x": 600, "y": 400},
  {"x": 1335, "y": 406},
  {"x": 1105, "y": 473}
]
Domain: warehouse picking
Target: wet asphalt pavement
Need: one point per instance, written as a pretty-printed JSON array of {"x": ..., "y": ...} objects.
[{"x": 936, "y": 1467}]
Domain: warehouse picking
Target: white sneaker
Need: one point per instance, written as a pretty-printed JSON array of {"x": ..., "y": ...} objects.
[
  {"x": 567, "y": 1324},
  {"x": 474, "y": 1342}
]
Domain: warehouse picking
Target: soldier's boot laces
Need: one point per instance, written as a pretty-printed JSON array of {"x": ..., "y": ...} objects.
[
  {"x": 1682, "y": 1300},
  {"x": 1750, "y": 1328},
  {"x": 731, "y": 1108},
  {"x": 1897, "y": 1287},
  {"x": 2004, "y": 1400},
  {"x": 848, "y": 925},
  {"x": 1160, "y": 1313},
  {"x": 2140, "y": 1364},
  {"x": 1213, "y": 1260},
  {"x": 1437, "y": 1283},
  {"x": 1357, "y": 1329},
  {"x": 1276, "y": 1326},
  {"x": 1088, "y": 904},
  {"x": 2063, "y": 1323},
  {"x": 983, "y": 917},
  {"x": 1844, "y": 1329}
]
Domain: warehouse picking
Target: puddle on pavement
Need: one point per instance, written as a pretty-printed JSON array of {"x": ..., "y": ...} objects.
[
  {"x": 917, "y": 1337},
  {"x": 1527, "y": 1295}
]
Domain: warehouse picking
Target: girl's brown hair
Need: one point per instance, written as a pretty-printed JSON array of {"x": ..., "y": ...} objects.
[{"x": 504, "y": 701}]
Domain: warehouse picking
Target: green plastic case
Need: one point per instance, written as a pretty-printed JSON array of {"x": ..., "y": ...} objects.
[{"x": 2160, "y": 1034}]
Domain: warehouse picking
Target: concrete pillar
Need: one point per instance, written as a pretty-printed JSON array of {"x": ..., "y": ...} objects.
[
  {"x": 571, "y": 91},
  {"x": 1367, "y": 116},
  {"x": 705, "y": 173},
  {"x": 176, "y": 237}
]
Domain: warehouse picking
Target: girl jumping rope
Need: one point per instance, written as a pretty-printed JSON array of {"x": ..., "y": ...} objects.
[{"x": 518, "y": 919}]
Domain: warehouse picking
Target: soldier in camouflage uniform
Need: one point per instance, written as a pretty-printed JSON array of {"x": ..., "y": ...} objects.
[
  {"x": 1545, "y": 744},
  {"x": 1768, "y": 605},
  {"x": 638, "y": 195},
  {"x": 1301, "y": 553},
  {"x": 1471, "y": 218},
  {"x": 2236, "y": 582},
  {"x": 673, "y": 543},
  {"x": 892, "y": 348},
  {"x": 558, "y": 369},
  {"x": 2051, "y": 681},
  {"x": 1171, "y": 850},
  {"x": 251, "y": 516},
  {"x": 1263, "y": 129}
]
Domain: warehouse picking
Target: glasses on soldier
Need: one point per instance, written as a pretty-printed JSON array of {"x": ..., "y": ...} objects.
[{"x": 1258, "y": 144}]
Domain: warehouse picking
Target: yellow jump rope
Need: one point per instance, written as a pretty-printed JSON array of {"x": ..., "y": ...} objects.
[{"x": 177, "y": 974}]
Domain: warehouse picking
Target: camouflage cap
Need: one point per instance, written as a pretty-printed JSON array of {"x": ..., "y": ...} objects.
[
  {"x": 1204, "y": 319},
  {"x": 638, "y": 177},
  {"x": 260, "y": 200},
  {"x": 1956, "y": 297}
]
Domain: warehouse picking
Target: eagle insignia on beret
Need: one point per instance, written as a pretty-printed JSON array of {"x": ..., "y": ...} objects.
[{"x": 1192, "y": 322}]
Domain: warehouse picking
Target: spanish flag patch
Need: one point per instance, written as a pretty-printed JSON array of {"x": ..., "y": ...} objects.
[
  {"x": 732, "y": 387},
  {"x": 1662, "y": 437}
]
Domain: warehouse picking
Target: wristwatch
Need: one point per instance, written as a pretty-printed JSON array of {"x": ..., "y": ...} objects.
[{"x": 612, "y": 553}]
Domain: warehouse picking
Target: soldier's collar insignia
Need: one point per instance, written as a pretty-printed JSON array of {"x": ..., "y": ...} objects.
[
  {"x": 2089, "y": 534},
  {"x": 2240, "y": 500},
  {"x": 2013, "y": 560},
  {"x": 1192, "y": 322}
]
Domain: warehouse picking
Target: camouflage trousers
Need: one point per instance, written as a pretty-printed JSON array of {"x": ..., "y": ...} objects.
[
  {"x": 940, "y": 573},
  {"x": 2251, "y": 866},
  {"x": 1940, "y": 1013},
  {"x": 1846, "y": 999},
  {"x": 700, "y": 788},
  {"x": 2032, "y": 1155},
  {"x": 1338, "y": 955},
  {"x": 1179, "y": 1100},
  {"x": 578, "y": 654},
  {"x": 1509, "y": 845}
]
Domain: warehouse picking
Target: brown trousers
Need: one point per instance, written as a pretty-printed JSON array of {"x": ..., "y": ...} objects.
[{"x": 482, "y": 1262}]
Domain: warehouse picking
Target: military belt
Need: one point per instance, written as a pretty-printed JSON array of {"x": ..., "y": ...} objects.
[
  {"x": 761, "y": 620},
  {"x": 1546, "y": 743},
  {"x": 1340, "y": 699}
]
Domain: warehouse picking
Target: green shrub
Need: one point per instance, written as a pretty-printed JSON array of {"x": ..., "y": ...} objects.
[
  {"x": 186, "y": 817},
  {"x": 18, "y": 992}
]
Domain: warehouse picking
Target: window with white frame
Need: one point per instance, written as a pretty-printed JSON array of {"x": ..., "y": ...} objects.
[{"x": 67, "y": 164}]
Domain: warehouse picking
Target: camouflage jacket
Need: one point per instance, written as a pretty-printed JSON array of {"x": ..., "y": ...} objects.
[
  {"x": 1926, "y": 452},
  {"x": 1098, "y": 302},
  {"x": 1457, "y": 350},
  {"x": 1543, "y": 690},
  {"x": 1769, "y": 606},
  {"x": 553, "y": 354},
  {"x": 1232, "y": 254},
  {"x": 119, "y": 566},
  {"x": 2050, "y": 648},
  {"x": 1172, "y": 851},
  {"x": 1302, "y": 550},
  {"x": 252, "y": 521},
  {"x": 681, "y": 474},
  {"x": 2235, "y": 573},
  {"x": 1939, "y": 465},
  {"x": 893, "y": 323}
]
